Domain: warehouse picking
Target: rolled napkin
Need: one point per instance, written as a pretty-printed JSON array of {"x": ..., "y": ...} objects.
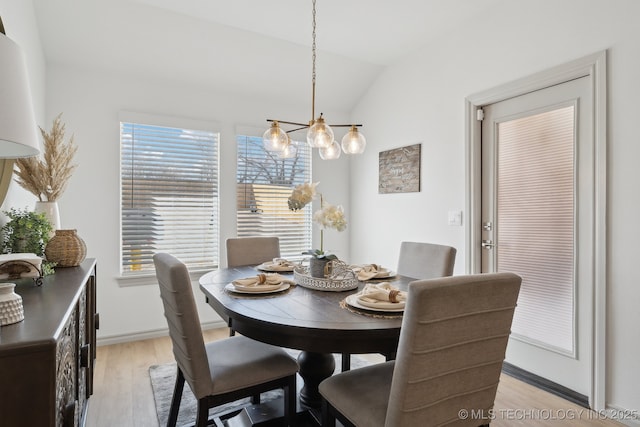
[
  {"x": 370, "y": 271},
  {"x": 382, "y": 296},
  {"x": 260, "y": 283},
  {"x": 278, "y": 264},
  {"x": 19, "y": 265}
]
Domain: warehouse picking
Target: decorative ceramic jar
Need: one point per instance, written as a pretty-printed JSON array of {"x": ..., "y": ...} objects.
[
  {"x": 318, "y": 267},
  {"x": 66, "y": 249},
  {"x": 11, "y": 310}
]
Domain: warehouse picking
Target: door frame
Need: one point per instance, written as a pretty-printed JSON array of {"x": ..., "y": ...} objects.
[{"x": 594, "y": 66}]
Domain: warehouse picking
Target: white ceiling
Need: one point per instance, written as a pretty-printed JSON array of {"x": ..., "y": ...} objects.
[{"x": 256, "y": 47}]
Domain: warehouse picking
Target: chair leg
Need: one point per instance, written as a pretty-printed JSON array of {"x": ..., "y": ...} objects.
[
  {"x": 203, "y": 413},
  {"x": 290, "y": 404},
  {"x": 346, "y": 362},
  {"x": 328, "y": 420},
  {"x": 255, "y": 399},
  {"x": 175, "y": 400}
]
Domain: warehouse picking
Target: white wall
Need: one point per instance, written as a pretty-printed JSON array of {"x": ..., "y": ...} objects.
[
  {"x": 90, "y": 102},
  {"x": 421, "y": 99},
  {"x": 20, "y": 26}
]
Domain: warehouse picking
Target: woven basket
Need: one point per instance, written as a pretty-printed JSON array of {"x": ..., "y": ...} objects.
[{"x": 66, "y": 249}]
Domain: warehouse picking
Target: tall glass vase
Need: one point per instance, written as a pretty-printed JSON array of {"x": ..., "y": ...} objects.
[{"x": 51, "y": 212}]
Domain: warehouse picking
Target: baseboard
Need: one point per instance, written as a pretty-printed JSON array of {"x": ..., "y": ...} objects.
[
  {"x": 156, "y": 333},
  {"x": 545, "y": 384}
]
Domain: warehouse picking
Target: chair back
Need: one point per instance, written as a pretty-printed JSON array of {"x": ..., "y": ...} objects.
[
  {"x": 426, "y": 260},
  {"x": 452, "y": 343},
  {"x": 251, "y": 250},
  {"x": 184, "y": 325}
]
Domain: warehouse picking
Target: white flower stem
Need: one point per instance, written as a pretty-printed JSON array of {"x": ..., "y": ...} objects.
[{"x": 322, "y": 228}]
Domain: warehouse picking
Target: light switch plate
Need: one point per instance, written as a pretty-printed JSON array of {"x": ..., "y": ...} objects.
[{"x": 455, "y": 217}]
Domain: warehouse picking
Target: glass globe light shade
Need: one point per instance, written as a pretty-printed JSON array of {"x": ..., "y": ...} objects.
[
  {"x": 274, "y": 139},
  {"x": 331, "y": 152},
  {"x": 353, "y": 142},
  {"x": 320, "y": 134},
  {"x": 289, "y": 151}
]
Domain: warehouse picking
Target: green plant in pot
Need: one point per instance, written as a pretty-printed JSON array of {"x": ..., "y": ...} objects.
[
  {"x": 26, "y": 232},
  {"x": 328, "y": 216}
]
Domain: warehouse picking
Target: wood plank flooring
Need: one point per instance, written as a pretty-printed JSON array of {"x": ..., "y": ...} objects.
[{"x": 122, "y": 391}]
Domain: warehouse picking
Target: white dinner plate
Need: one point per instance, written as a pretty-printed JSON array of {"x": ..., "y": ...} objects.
[
  {"x": 268, "y": 266},
  {"x": 252, "y": 289},
  {"x": 384, "y": 275},
  {"x": 352, "y": 300}
]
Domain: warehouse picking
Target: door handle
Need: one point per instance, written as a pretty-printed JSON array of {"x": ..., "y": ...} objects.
[{"x": 487, "y": 244}]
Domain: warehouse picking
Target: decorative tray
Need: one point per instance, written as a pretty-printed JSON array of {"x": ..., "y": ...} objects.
[{"x": 342, "y": 278}]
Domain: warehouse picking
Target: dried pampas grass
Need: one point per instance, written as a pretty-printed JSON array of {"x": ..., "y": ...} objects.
[{"x": 47, "y": 178}]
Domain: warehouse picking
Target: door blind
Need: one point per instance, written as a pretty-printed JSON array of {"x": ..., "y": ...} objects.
[
  {"x": 264, "y": 184},
  {"x": 169, "y": 196},
  {"x": 535, "y": 227}
]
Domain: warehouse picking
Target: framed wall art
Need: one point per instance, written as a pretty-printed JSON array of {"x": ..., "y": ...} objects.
[{"x": 399, "y": 170}]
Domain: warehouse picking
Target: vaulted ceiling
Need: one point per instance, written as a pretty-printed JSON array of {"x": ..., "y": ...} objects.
[{"x": 254, "y": 47}]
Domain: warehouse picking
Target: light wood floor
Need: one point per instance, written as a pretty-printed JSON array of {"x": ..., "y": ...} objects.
[{"x": 122, "y": 391}]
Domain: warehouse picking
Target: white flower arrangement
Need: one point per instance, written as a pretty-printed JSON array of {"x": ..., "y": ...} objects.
[
  {"x": 302, "y": 195},
  {"x": 328, "y": 216},
  {"x": 331, "y": 216}
]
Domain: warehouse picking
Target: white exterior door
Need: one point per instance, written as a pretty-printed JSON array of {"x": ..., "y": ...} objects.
[{"x": 537, "y": 210}]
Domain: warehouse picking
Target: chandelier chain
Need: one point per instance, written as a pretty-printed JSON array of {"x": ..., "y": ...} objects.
[
  {"x": 313, "y": 61},
  {"x": 319, "y": 132}
]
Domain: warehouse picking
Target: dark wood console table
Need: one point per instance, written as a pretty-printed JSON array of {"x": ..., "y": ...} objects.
[{"x": 47, "y": 360}]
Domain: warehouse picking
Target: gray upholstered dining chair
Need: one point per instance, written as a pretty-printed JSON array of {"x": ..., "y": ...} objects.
[
  {"x": 426, "y": 260},
  {"x": 452, "y": 344},
  {"x": 420, "y": 261},
  {"x": 221, "y": 371},
  {"x": 251, "y": 250}
]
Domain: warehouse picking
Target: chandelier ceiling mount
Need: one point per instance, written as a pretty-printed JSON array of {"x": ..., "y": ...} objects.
[{"x": 320, "y": 134}]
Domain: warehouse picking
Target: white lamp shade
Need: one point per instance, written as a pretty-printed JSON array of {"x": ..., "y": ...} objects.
[{"x": 18, "y": 129}]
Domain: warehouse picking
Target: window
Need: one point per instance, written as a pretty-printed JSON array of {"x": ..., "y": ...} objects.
[
  {"x": 264, "y": 184},
  {"x": 169, "y": 196}
]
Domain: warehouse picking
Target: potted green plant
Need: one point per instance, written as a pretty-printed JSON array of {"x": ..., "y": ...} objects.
[{"x": 25, "y": 232}]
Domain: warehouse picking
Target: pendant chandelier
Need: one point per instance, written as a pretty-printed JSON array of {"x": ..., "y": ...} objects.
[{"x": 319, "y": 133}]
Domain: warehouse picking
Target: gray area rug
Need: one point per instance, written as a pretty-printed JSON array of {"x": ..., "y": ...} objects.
[{"x": 163, "y": 378}]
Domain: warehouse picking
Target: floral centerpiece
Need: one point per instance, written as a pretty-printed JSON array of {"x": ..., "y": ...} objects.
[{"x": 328, "y": 216}]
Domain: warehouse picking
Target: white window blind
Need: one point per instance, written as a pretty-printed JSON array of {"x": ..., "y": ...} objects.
[
  {"x": 264, "y": 183},
  {"x": 169, "y": 196},
  {"x": 536, "y": 223}
]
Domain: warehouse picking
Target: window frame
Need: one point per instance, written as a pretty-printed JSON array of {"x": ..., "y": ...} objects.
[
  {"x": 126, "y": 278},
  {"x": 306, "y": 225}
]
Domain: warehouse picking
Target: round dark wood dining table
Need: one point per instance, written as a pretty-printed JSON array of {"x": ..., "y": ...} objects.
[{"x": 309, "y": 320}]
